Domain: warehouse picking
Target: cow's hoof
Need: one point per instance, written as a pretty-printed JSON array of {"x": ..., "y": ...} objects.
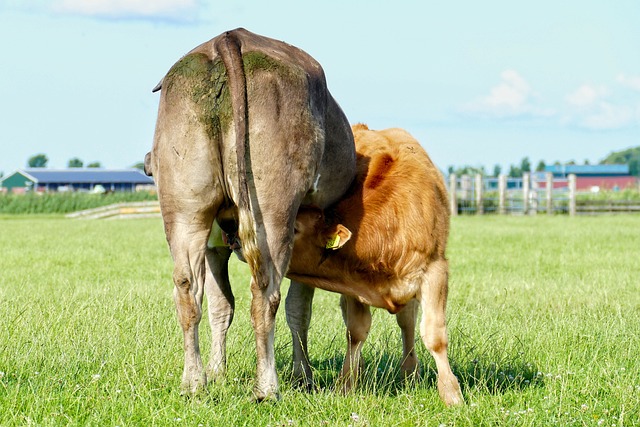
[
  {"x": 193, "y": 386},
  {"x": 266, "y": 396},
  {"x": 216, "y": 375},
  {"x": 303, "y": 382}
]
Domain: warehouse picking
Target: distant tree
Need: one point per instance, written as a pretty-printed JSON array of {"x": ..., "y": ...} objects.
[
  {"x": 139, "y": 165},
  {"x": 38, "y": 161},
  {"x": 541, "y": 166},
  {"x": 586, "y": 162},
  {"x": 630, "y": 156},
  {"x": 515, "y": 172},
  {"x": 497, "y": 170},
  {"x": 469, "y": 170},
  {"x": 451, "y": 170},
  {"x": 525, "y": 165},
  {"x": 571, "y": 162},
  {"x": 94, "y": 165},
  {"x": 557, "y": 163},
  {"x": 75, "y": 163}
]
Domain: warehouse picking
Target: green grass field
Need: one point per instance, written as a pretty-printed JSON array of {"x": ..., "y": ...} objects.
[{"x": 544, "y": 324}]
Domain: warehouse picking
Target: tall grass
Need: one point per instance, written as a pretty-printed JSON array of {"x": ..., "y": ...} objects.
[
  {"x": 60, "y": 203},
  {"x": 627, "y": 194},
  {"x": 544, "y": 324}
]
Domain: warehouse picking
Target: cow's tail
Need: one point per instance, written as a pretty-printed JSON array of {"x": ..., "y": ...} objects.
[{"x": 229, "y": 48}]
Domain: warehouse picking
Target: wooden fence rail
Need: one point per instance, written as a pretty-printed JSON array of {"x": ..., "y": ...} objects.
[
  {"x": 120, "y": 210},
  {"x": 526, "y": 196}
]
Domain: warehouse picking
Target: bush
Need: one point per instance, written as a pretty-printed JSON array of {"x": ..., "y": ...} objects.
[
  {"x": 627, "y": 194},
  {"x": 61, "y": 203}
]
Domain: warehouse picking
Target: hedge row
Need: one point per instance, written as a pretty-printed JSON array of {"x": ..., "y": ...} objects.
[{"x": 61, "y": 203}]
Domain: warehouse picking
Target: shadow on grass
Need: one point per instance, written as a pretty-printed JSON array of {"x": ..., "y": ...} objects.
[{"x": 489, "y": 366}]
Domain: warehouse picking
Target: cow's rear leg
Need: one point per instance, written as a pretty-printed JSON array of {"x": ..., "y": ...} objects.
[
  {"x": 268, "y": 262},
  {"x": 298, "y": 307},
  {"x": 433, "y": 298},
  {"x": 357, "y": 318},
  {"x": 406, "y": 319},
  {"x": 188, "y": 244},
  {"x": 220, "y": 308}
]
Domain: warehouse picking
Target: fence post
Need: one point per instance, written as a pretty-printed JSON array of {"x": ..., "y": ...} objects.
[
  {"x": 502, "y": 194},
  {"x": 549, "y": 178},
  {"x": 525, "y": 192},
  {"x": 572, "y": 194},
  {"x": 479, "y": 191},
  {"x": 453, "y": 198},
  {"x": 465, "y": 187}
]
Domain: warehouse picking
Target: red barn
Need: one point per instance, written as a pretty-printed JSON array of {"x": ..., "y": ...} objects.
[{"x": 604, "y": 177}]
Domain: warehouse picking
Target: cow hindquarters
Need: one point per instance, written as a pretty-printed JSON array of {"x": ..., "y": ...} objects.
[
  {"x": 298, "y": 307},
  {"x": 433, "y": 298}
]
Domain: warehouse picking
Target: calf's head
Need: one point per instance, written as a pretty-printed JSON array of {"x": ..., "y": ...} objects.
[{"x": 314, "y": 236}]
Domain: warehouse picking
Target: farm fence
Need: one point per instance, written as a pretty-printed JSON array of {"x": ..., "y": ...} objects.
[{"x": 527, "y": 196}]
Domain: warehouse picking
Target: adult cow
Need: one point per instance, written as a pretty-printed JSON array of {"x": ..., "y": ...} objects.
[
  {"x": 382, "y": 245},
  {"x": 247, "y": 131}
]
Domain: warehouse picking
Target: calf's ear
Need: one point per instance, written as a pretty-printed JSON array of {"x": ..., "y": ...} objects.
[{"x": 338, "y": 237}]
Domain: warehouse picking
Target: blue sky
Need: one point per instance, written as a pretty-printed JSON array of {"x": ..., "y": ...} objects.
[{"x": 477, "y": 83}]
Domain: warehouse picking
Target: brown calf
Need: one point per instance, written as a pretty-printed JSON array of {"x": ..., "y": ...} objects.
[{"x": 382, "y": 245}]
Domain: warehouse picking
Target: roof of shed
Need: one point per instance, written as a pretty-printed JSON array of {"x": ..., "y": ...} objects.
[{"x": 614, "y": 169}]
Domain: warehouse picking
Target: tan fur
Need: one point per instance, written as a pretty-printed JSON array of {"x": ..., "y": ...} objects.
[
  {"x": 399, "y": 218},
  {"x": 398, "y": 215}
]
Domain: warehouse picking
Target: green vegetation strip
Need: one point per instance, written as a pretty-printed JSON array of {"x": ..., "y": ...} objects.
[
  {"x": 61, "y": 203},
  {"x": 544, "y": 322}
]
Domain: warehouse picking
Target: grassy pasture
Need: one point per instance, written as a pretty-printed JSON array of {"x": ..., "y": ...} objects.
[{"x": 544, "y": 323}]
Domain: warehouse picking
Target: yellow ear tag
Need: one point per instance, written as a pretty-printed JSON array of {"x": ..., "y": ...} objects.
[{"x": 333, "y": 243}]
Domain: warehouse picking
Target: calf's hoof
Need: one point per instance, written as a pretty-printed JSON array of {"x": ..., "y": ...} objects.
[
  {"x": 449, "y": 391},
  {"x": 345, "y": 384}
]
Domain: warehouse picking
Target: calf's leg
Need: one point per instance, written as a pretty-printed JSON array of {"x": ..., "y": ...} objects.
[
  {"x": 406, "y": 319},
  {"x": 433, "y": 297},
  {"x": 221, "y": 307},
  {"x": 298, "y": 307},
  {"x": 357, "y": 318}
]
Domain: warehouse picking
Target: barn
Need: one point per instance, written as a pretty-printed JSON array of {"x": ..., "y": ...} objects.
[
  {"x": 591, "y": 177},
  {"x": 76, "y": 179}
]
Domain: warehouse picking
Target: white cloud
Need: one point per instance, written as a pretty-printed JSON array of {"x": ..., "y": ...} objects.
[
  {"x": 632, "y": 82},
  {"x": 513, "y": 96},
  {"x": 593, "y": 107},
  {"x": 170, "y": 9},
  {"x": 610, "y": 116},
  {"x": 511, "y": 93},
  {"x": 586, "y": 96}
]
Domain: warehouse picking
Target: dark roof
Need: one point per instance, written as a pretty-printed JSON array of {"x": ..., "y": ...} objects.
[
  {"x": 615, "y": 169},
  {"x": 89, "y": 176}
]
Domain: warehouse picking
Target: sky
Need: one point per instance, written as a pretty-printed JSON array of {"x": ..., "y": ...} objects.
[{"x": 477, "y": 83}]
